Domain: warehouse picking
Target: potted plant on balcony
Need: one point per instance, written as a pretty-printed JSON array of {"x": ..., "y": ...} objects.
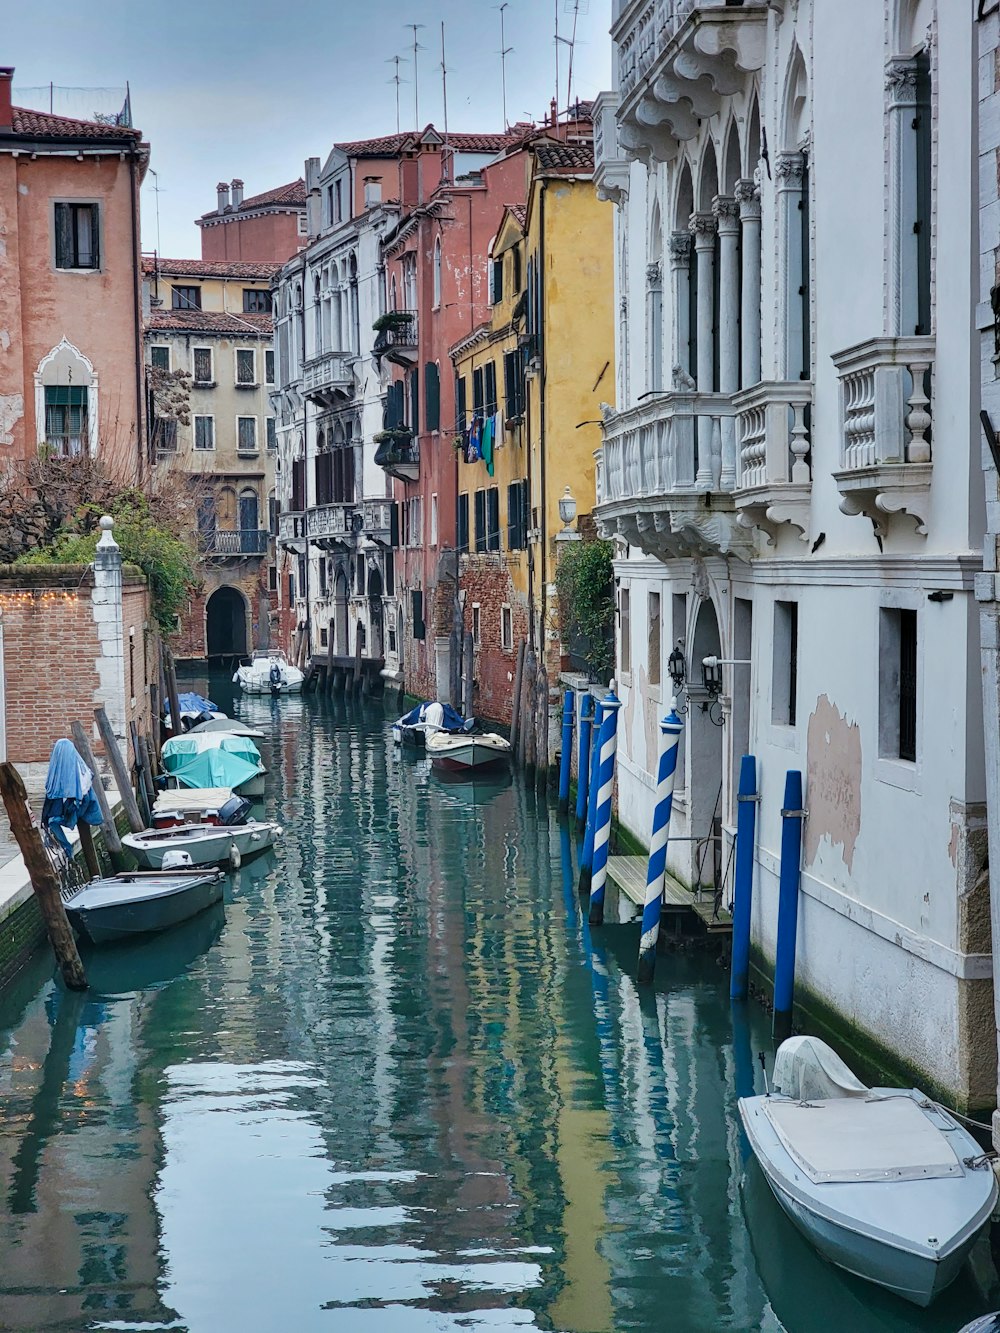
[
  {"x": 392, "y": 321},
  {"x": 392, "y": 445}
]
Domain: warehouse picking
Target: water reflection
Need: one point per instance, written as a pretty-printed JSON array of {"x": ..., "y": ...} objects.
[{"x": 396, "y": 1084}]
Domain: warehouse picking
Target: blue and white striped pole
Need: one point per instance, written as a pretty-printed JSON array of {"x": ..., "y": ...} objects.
[
  {"x": 606, "y": 747},
  {"x": 583, "y": 759},
  {"x": 566, "y": 757},
  {"x": 587, "y": 855},
  {"x": 792, "y": 816},
  {"x": 670, "y": 740}
]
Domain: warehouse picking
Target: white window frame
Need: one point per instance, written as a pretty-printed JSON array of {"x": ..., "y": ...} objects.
[
  {"x": 477, "y": 624},
  {"x": 245, "y": 384},
  {"x": 414, "y": 534},
  {"x": 624, "y": 619},
  {"x": 269, "y": 352},
  {"x": 161, "y": 347},
  {"x": 302, "y": 225},
  {"x": 99, "y": 267},
  {"x": 270, "y": 433},
  {"x": 434, "y": 519},
  {"x": 202, "y": 416},
  {"x": 506, "y": 628},
  {"x": 196, "y": 383},
  {"x": 242, "y": 448}
]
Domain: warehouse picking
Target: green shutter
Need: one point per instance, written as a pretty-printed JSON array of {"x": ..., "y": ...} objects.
[{"x": 432, "y": 395}]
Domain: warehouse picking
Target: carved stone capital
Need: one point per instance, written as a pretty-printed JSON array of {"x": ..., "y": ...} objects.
[
  {"x": 654, "y": 274},
  {"x": 679, "y": 248},
  {"x": 901, "y": 80},
  {"x": 747, "y": 193},
  {"x": 703, "y": 228},
  {"x": 727, "y": 214},
  {"x": 789, "y": 168}
]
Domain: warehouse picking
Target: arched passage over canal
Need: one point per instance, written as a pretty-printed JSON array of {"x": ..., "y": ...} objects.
[{"x": 397, "y": 1085}]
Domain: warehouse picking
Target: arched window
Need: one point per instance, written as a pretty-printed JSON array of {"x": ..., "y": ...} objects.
[
  {"x": 437, "y": 272},
  {"x": 249, "y": 520}
]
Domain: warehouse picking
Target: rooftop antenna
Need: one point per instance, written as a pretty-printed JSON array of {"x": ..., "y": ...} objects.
[
  {"x": 416, "y": 82},
  {"x": 505, "y": 51},
  {"x": 156, "y": 192},
  {"x": 444, "y": 97},
  {"x": 576, "y": 8},
  {"x": 397, "y": 80},
  {"x": 555, "y": 105}
]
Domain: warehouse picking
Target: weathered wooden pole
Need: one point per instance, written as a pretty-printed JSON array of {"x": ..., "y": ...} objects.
[
  {"x": 111, "y": 838},
  {"x": 170, "y": 679},
  {"x": 154, "y": 722},
  {"x": 357, "y": 659},
  {"x": 542, "y": 723},
  {"x": 328, "y": 680},
  {"x": 120, "y": 771},
  {"x": 89, "y": 850},
  {"x": 43, "y": 877},
  {"x": 515, "y": 716},
  {"x": 142, "y": 763},
  {"x": 469, "y": 660}
]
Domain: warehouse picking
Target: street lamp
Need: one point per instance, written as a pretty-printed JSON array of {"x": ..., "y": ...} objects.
[{"x": 677, "y": 667}]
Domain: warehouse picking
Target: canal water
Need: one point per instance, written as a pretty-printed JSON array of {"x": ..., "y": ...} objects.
[{"x": 397, "y": 1084}]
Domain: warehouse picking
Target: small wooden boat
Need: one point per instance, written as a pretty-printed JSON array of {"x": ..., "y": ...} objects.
[
  {"x": 413, "y": 727},
  {"x": 882, "y": 1181},
  {"x": 467, "y": 753},
  {"x": 199, "y": 805},
  {"x": 140, "y": 902},
  {"x": 269, "y": 673},
  {"x": 206, "y": 844}
]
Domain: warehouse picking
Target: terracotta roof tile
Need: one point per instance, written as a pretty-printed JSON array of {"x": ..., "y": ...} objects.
[
  {"x": 292, "y": 195},
  {"x": 565, "y": 156},
  {"x": 210, "y": 268},
  {"x": 211, "y": 321},
  {"x": 520, "y": 214},
  {"x": 64, "y": 127},
  {"x": 391, "y": 144}
]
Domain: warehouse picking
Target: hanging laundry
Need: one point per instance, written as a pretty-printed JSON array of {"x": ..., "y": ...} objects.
[
  {"x": 487, "y": 444},
  {"x": 475, "y": 451}
]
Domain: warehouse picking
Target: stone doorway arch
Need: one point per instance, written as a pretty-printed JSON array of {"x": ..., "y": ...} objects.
[{"x": 226, "y": 623}]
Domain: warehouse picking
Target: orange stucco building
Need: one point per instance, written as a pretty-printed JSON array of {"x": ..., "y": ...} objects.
[
  {"x": 268, "y": 227},
  {"x": 70, "y": 287}
]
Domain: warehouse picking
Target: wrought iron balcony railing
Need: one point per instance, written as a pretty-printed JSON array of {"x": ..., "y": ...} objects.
[{"x": 242, "y": 541}]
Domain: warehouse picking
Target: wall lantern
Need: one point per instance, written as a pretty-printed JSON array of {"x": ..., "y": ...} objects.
[{"x": 677, "y": 667}]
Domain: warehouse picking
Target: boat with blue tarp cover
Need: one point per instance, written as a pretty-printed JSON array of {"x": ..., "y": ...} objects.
[
  {"x": 214, "y": 759},
  {"x": 413, "y": 727}
]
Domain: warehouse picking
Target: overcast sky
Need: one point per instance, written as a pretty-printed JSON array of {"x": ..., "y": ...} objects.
[{"x": 251, "y": 88}]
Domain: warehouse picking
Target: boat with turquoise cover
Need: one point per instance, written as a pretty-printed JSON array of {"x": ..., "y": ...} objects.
[{"x": 214, "y": 759}]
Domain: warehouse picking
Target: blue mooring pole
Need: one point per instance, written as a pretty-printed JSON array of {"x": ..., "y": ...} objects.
[
  {"x": 606, "y": 747},
  {"x": 670, "y": 739},
  {"x": 566, "y": 757},
  {"x": 583, "y": 759},
  {"x": 746, "y": 818},
  {"x": 587, "y": 855},
  {"x": 788, "y": 906}
]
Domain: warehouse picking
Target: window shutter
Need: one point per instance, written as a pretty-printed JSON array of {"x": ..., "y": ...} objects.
[
  {"x": 415, "y": 400},
  {"x": 460, "y": 402},
  {"x": 394, "y": 524},
  {"x": 432, "y": 395},
  {"x": 477, "y": 390},
  {"x": 509, "y": 391},
  {"x": 463, "y": 522},
  {"x": 493, "y": 519},
  {"x": 417, "y": 608},
  {"x": 490, "y": 385},
  {"x": 480, "y": 520}
]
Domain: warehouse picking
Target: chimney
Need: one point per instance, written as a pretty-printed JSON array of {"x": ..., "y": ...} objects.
[
  {"x": 237, "y": 192},
  {"x": 222, "y": 191},
  {"x": 6, "y": 114}
]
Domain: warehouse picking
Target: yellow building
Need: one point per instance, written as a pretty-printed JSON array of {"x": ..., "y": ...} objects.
[
  {"x": 211, "y": 320},
  {"x": 540, "y": 368}
]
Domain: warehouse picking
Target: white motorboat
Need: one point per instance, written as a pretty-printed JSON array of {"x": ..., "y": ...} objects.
[
  {"x": 413, "y": 727},
  {"x": 206, "y": 844},
  {"x": 467, "y": 753},
  {"x": 199, "y": 805},
  {"x": 269, "y": 673},
  {"x": 882, "y": 1181}
]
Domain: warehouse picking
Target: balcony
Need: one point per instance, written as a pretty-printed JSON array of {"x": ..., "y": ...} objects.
[
  {"x": 396, "y": 337},
  {"x": 243, "y": 542},
  {"x": 292, "y": 531},
  {"x": 774, "y": 481},
  {"x": 886, "y": 421},
  {"x": 666, "y": 475},
  {"x": 610, "y": 164},
  {"x": 399, "y": 453},
  {"x": 677, "y": 60},
  {"x": 378, "y": 522},
  {"x": 333, "y": 526},
  {"x": 327, "y": 379}
]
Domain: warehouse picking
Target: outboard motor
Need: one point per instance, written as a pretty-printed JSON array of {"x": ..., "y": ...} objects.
[
  {"x": 204, "y": 716},
  {"x": 176, "y": 860},
  {"x": 275, "y": 677},
  {"x": 234, "y": 810}
]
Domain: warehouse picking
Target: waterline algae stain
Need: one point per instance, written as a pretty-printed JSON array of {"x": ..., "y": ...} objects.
[{"x": 401, "y": 1087}]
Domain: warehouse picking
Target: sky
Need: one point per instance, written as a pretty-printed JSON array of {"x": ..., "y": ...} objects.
[{"x": 251, "y": 88}]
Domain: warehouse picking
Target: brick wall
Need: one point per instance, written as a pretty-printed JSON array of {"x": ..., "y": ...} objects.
[
  {"x": 486, "y": 582},
  {"x": 247, "y": 576}
]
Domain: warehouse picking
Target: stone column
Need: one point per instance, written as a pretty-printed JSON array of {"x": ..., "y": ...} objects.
[
  {"x": 106, "y": 601},
  {"x": 748, "y": 198},
  {"x": 727, "y": 219},
  {"x": 702, "y": 226},
  {"x": 901, "y": 87},
  {"x": 789, "y": 171},
  {"x": 679, "y": 245},
  {"x": 654, "y": 301}
]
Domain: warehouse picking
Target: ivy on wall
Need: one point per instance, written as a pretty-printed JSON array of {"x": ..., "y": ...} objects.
[{"x": 585, "y": 589}]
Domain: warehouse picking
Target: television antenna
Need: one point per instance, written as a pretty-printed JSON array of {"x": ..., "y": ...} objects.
[
  {"x": 397, "y": 80},
  {"x": 576, "y": 8},
  {"x": 415, "y": 27},
  {"x": 505, "y": 51}
]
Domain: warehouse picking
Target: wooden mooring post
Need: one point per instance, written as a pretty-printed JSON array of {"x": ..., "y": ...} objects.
[
  {"x": 111, "y": 838},
  {"x": 515, "y": 716},
  {"x": 170, "y": 680},
  {"x": 542, "y": 734},
  {"x": 43, "y": 878},
  {"x": 120, "y": 771}
]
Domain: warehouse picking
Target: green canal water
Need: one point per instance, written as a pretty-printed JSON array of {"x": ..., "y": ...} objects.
[{"x": 397, "y": 1084}]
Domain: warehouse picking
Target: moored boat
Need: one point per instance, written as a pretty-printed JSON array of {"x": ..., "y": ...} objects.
[
  {"x": 199, "y": 805},
  {"x": 269, "y": 673},
  {"x": 882, "y": 1181},
  {"x": 140, "y": 902},
  {"x": 206, "y": 844},
  {"x": 413, "y": 727},
  {"x": 214, "y": 759},
  {"x": 467, "y": 753}
]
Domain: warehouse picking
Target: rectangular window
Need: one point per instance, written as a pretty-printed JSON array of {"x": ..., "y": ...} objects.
[
  {"x": 246, "y": 435},
  {"x": 461, "y": 384},
  {"x": 324, "y": 637},
  {"x": 77, "y": 235},
  {"x": 269, "y": 366},
  {"x": 203, "y": 365},
  {"x": 496, "y": 281},
  {"x": 159, "y": 358},
  {"x": 338, "y": 201},
  {"x": 477, "y": 391},
  {"x": 506, "y": 629},
  {"x": 272, "y": 515},
  {"x": 272, "y": 434},
  {"x": 654, "y": 642},
  {"x": 784, "y": 670},
  {"x": 517, "y": 515},
  {"x": 462, "y": 522},
  {"x": 185, "y": 298},
  {"x": 417, "y": 613},
  {"x": 493, "y": 519},
  {"x": 432, "y": 397},
  {"x": 256, "y": 301},
  {"x": 204, "y": 432},
  {"x": 480, "y": 520},
  {"x": 324, "y": 574},
  {"x": 476, "y": 624},
  {"x": 291, "y": 590},
  {"x": 625, "y": 629},
  {"x": 246, "y": 368},
  {"x": 513, "y": 380},
  {"x": 490, "y": 388},
  {"x": 164, "y": 435},
  {"x": 897, "y": 737},
  {"x": 414, "y": 534},
  {"x": 66, "y": 427},
  {"x": 272, "y": 578},
  {"x": 434, "y": 520}
]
